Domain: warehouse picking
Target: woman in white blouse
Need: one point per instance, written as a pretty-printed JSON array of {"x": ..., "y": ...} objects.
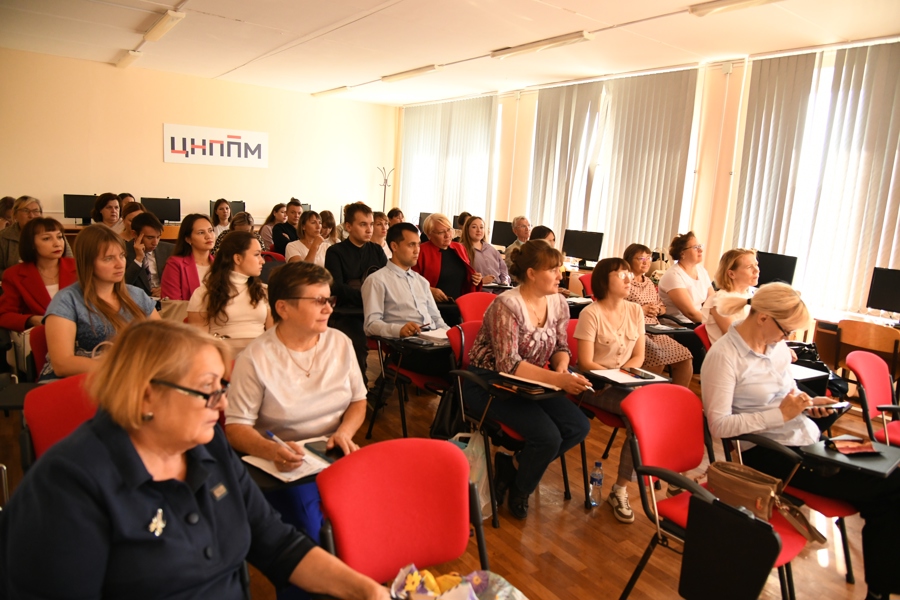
[
  {"x": 737, "y": 275},
  {"x": 311, "y": 246},
  {"x": 686, "y": 286},
  {"x": 236, "y": 308},
  {"x": 221, "y": 216}
]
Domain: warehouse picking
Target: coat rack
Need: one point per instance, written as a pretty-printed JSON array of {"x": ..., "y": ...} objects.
[{"x": 385, "y": 174}]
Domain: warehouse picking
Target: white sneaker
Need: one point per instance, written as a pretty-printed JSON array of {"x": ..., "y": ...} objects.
[{"x": 618, "y": 499}]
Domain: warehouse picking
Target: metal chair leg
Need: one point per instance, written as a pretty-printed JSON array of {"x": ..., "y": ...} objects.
[
  {"x": 782, "y": 579},
  {"x": 842, "y": 527},
  {"x": 495, "y": 518},
  {"x": 404, "y": 397},
  {"x": 790, "y": 579},
  {"x": 584, "y": 474},
  {"x": 612, "y": 438},
  {"x": 639, "y": 568},
  {"x": 567, "y": 494}
]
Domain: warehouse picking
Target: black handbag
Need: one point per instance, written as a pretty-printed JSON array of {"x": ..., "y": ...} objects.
[{"x": 448, "y": 418}]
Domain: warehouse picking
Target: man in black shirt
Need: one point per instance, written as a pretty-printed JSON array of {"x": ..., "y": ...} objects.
[
  {"x": 285, "y": 233},
  {"x": 350, "y": 262}
]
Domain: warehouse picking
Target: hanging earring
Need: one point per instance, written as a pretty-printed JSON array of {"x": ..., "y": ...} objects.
[{"x": 147, "y": 417}]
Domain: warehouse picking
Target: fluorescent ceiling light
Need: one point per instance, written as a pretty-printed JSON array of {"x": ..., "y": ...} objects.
[
  {"x": 129, "y": 59},
  {"x": 554, "y": 42},
  {"x": 716, "y": 6},
  {"x": 410, "y": 73},
  {"x": 337, "y": 90},
  {"x": 162, "y": 27}
]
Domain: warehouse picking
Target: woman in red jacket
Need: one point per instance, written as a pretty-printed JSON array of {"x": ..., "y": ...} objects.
[{"x": 29, "y": 286}]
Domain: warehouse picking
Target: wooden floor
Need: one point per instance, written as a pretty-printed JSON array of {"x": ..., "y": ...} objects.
[{"x": 564, "y": 552}]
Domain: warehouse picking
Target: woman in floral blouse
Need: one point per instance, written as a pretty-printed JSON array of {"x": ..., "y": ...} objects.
[{"x": 523, "y": 330}]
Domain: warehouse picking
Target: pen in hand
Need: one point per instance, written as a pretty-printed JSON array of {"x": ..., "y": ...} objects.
[
  {"x": 283, "y": 444},
  {"x": 588, "y": 388}
]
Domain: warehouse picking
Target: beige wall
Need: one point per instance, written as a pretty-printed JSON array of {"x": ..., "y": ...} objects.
[{"x": 74, "y": 126}]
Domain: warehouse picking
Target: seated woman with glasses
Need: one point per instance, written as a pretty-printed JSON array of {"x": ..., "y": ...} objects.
[
  {"x": 659, "y": 350},
  {"x": 737, "y": 275},
  {"x": 299, "y": 380},
  {"x": 610, "y": 335},
  {"x": 29, "y": 286},
  {"x": 523, "y": 330},
  {"x": 748, "y": 388},
  {"x": 93, "y": 310},
  {"x": 146, "y": 500},
  {"x": 25, "y": 208},
  {"x": 686, "y": 286},
  {"x": 236, "y": 308}
]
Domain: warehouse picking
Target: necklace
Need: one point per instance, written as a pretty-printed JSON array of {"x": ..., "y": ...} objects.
[
  {"x": 47, "y": 277},
  {"x": 538, "y": 321},
  {"x": 294, "y": 360}
]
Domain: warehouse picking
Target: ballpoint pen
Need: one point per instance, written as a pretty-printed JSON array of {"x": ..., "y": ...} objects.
[
  {"x": 282, "y": 443},
  {"x": 588, "y": 388}
]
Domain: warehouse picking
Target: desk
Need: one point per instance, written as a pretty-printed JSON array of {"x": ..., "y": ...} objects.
[
  {"x": 879, "y": 465},
  {"x": 825, "y": 336}
]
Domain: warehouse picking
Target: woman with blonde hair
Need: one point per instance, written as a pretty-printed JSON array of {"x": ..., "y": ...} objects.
[
  {"x": 95, "y": 308},
  {"x": 737, "y": 275},
  {"x": 483, "y": 257},
  {"x": 748, "y": 388},
  {"x": 157, "y": 504}
]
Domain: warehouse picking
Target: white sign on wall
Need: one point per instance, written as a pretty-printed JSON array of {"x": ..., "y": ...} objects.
[{"x": 189, "y": 145}]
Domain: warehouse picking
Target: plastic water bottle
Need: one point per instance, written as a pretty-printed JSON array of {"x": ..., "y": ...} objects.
[{"x": 596, "y": 483}]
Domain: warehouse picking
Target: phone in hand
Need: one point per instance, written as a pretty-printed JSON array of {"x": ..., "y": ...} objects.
[
  {"x": 640, "y": 374},
  {"x": 321, "y": 450},
  {"x": 835, "y": 406}
]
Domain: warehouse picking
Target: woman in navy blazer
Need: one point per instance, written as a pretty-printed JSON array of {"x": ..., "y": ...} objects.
[
  {"x": 29, "y": 286},
  {"x": 190, "y": 261}
]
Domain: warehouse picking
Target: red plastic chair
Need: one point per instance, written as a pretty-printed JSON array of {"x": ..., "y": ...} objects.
[
  {"x": 667, "y": 421},
  {"x": 270, "y": 256},
  {"x": 472, "y": 306},
  {"x": 39, "y": 349},
  {"x": 502, "y": 434},
  {"x": 876, "y": 395},
  {"x": 586, "y": 285},
  {"x": 53, "y": 411},
  {"x": 700, "y": 330},
  {"x": 418, "y": 507}
]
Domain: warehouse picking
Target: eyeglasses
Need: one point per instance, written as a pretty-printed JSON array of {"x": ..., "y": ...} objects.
[
  {"x": 695, "y": 247},
  {"x": 212, "y": 398},
  {"x": 787, "y": 334},
  {"x": 625, "y": 275},
  {"x": 34, "y": 212},
  {"x": 319, "y": 300},
  {"x": 644, "y": 258}
]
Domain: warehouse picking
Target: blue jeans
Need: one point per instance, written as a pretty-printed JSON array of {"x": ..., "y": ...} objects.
[
  {"x": 550, "y": 427},
  {"x": 299, "y": 506}
]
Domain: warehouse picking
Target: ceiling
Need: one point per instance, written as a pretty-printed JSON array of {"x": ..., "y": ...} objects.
[{"x": 315, "y": 45}]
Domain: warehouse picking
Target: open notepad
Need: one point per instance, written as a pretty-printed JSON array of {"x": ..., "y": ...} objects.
[
  {"x": 622, "y": 378},
  {"x": 311, "y": 465},
  {"x": 546, "y": 386}
]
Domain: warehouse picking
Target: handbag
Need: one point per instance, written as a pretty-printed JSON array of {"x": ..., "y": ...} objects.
[
  {"x": 448, "y": 418},
  {"x": 740, "y": 485}
]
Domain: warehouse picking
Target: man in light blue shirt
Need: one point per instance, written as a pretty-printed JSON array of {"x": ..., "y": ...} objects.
[{"x": 397, "y": 301}]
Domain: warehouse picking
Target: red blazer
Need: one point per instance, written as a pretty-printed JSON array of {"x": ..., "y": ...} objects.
[
  {"x": 180, "y": 278},
  {"x": 429, "y": 265},
  {"x": 24, "y": 294}
]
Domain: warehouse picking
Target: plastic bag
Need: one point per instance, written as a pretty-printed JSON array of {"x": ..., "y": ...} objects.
[
  {"x": 474, "y": 451},
  {"x": 412, "y": 584}
]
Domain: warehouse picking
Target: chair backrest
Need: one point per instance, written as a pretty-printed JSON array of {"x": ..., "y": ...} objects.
[
  {"x": 54, "y": 410},
  {"x": 39, "y": 348},
  {"x": 270, "y": 256},
  {"x": 872, "y": 374},
  {"x": 586, "y": 285},
  {"x": 458, "y": 337},
  {"x": 700, "y": 330},
  {"x": 573, "y": 343},
  {"x": 398, "y": 502},
  {"x": 473, "y": 305},
  {"x": 667, "y": 421},
  {"x": 880, "y": 339}
]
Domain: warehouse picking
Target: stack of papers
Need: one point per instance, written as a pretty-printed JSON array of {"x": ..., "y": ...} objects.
[{"x": 434, "y": 335}]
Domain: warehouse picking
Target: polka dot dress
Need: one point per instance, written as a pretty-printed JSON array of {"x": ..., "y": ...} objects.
[{"x": 659, "y": 350}]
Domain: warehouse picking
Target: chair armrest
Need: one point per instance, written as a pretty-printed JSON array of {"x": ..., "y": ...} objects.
[
  {"x": 678, "y": 479},
  {"x": 761, "y": 440},
  {"x": 688, "y": 324},
  {"x": 891, "y": 408},
  {"x": 472, "y": 377}
]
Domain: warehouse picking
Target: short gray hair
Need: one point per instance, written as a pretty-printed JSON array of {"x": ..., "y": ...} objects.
[{"x": 515, "y": 222}]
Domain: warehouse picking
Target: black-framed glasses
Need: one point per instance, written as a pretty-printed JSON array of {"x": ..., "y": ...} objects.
[
  {"x": 212, "y": 398},
  {"x": 787, "y": 334},
  {"x": 319, "y": 300}
]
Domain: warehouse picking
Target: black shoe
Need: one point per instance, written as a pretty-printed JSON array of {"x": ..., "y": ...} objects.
[
  {"x": 504, "y": 475},
  {"x": 518, "y": 502}
]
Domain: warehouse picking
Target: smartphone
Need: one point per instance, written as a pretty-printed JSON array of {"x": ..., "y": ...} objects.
[
  {"x": 321, "y": 450},
  {"x": 640, "y": 374},
  {"x": 417, "y": 341},
  {"x": 836, "y": 406}
]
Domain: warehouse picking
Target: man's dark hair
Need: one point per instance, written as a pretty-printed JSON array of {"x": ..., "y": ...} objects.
[
  {"x": 357, "y": 207},
  {"x": 395, "y": 232},
  {"x": 146, "y": 219},
  {"x": 294, "y": 202},
  {"x": 394, "y": 212}
]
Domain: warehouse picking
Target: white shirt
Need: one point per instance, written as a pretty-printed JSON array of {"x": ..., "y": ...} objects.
[
  {"x": 742, "y": 391},
  {"x": 298, "y": 248},
  {"x": 712, "y": 328},
  {"x": 245, "y": 322},
  {"x": 270, "y": 392},
  {"x": 201, "y": 273},
  {"x": 52, "y": 289},
  {"x": 219, "y": 230},
  {"x": 676, "y": 278}
]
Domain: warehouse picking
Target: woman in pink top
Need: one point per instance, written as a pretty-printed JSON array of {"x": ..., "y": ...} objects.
[{"x": 190, "y": 260}]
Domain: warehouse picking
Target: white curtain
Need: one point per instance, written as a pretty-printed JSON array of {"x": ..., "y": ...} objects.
[
  {"x": 446, "y": 157},
  {"x": 638, "y": 187},
  {"x": 843, "y": 219}
]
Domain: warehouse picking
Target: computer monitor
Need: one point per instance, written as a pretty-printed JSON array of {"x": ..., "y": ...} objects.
[
  {"x": 236, "y": 207},
  {"x": 306, "y": 207},
  {"x": 502, "y": 233},
  {"x": 883, "y": 291},
  {"x": 167, "y": 210},
  {"x": 584, "y": 245},
  {"x": 776, "y": 267},
  {"x": 78, "y": 206}
]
